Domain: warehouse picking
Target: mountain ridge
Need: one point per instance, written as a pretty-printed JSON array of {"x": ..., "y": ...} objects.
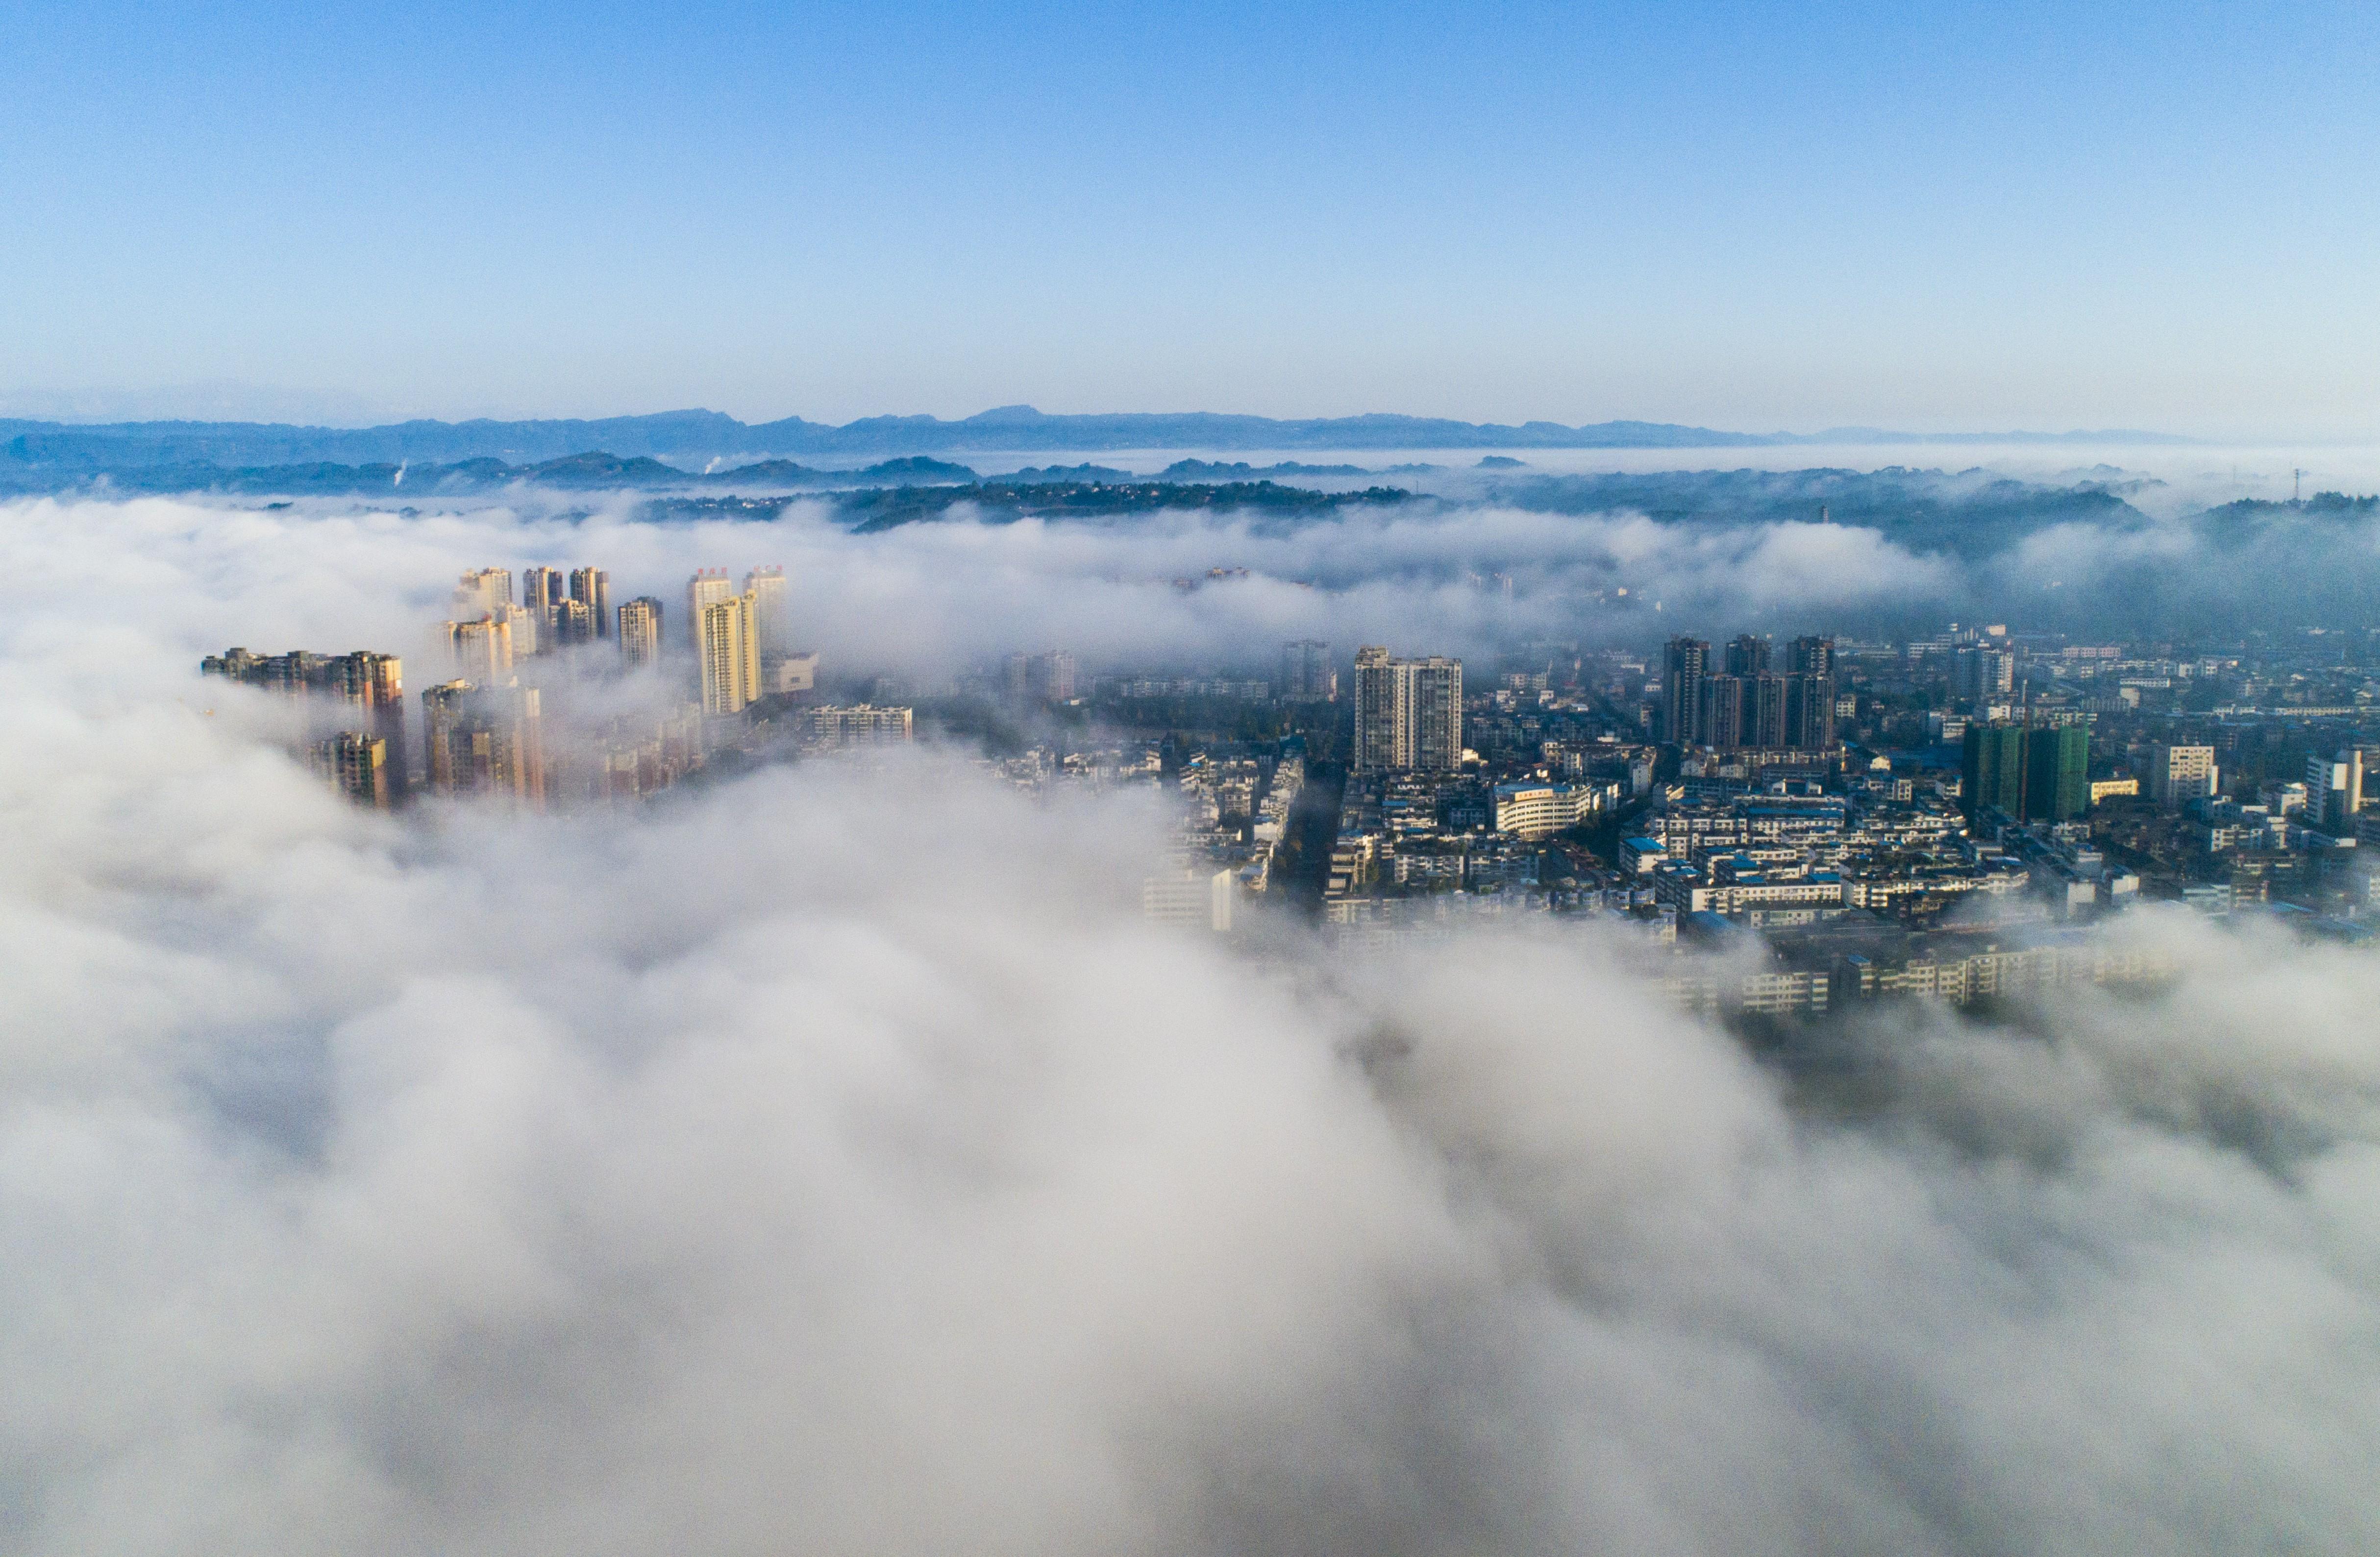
[{"x": 698, "y": 435}]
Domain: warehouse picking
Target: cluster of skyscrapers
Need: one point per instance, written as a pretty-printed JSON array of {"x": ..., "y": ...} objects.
[
  {"x": 366, "y": 763},
  {"x": 1742, "y": 701},
  {"x": 484, "y": 727},
  {"x": 556, "y": 611},
  {"x": 743, "y": 639}
]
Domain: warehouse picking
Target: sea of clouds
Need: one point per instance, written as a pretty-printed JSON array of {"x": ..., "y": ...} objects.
[{"x": 830, "y": 1161}]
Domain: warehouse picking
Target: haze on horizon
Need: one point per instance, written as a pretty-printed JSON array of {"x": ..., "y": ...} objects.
[{"x": 2039, "y": 217}]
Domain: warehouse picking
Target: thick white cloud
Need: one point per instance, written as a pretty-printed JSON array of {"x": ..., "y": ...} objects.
[{"x": 829, "y": 1161}]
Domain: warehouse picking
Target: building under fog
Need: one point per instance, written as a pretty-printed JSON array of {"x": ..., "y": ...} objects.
[
  {"x": 486, "y": 741},
  {"x": 591, "y": 589},
  {"x": 358, "y": 764},
  {"x": 362, "y": 689},
  {"x": 640, "y": 632},
  {"x": 1306, "y": 673}
]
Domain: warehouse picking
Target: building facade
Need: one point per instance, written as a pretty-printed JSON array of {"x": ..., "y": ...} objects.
[
  {"x": 1408, "y": 713},
  {"x": 640, "y": 632}
]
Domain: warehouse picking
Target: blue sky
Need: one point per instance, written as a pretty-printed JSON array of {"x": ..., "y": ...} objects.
[{"x": 1752, "y": 217}]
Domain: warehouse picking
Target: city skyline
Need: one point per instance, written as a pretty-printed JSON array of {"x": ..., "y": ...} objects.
[{"x": 1115, "y": 781}]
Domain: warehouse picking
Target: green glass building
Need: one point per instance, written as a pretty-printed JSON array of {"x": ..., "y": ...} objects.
[
  {"x": 2056, "y": 773},
  {"x": 2035, "y": 775},
  {"x": 1992, "y": 771}
]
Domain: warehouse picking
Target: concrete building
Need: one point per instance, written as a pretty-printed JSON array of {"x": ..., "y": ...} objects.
[
  {"x": 1747, "y": 656},
  {"x": 1684, "y": 663},
  {"x": 591, "y": 586},
  {"x": 482, "y": 593},
  {"x": 573, "y": 623},
  {"x": 1720, "y": 721},
  {"x": 480, "y": 651},
  {"x": 640, "y": 632},
  {"x": 1047, "y": 677},
  {"x": 728, "y": 655},
  {"x": 860, "y": 725},
  {"x": 356, "y": 764},
  {"x": 1987, "y": 674},
  {"x": 1408, "y": 713},
  {"x": 2335, "y": 790},
  {"x": 1194, "y": 899},
  {"x": 785, "y": 674},
  {"x": 487, "y": 741},
  {"x": 544, "y": 586},
  {"x": 707, "y": 586},
  {"x": 2057, "y": 772},
  {"x": 1991, "y": 772},
  {"x": 1540, "y": 810},
  {"x": 2179, "y": 774},
  {"x": 1306, "y": 673},
  {"x": 772, "y": 622}
]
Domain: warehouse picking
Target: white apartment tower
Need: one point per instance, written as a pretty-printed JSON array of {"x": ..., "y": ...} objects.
[
  {"x": 483, "y": 592},
  {"x": 729, "y": 654},
  {"x": 707, "y": 586},
  {"x": 2182, "y": 773},
  {"x": 771, "y": 614},
  {"x": 482, "y": 650},
  {"x": 640, "y": 632}
]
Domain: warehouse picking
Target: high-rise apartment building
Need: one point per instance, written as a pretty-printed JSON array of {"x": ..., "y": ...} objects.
[
  {"x": 1306, "y": 673},
  {"x": 371, "y": 684},
  {"x": 640, "y": 632},
  {"x": 2335, "y": 790},
  {"x": 1809, "y": 709},
  {"x": 483, "y": 592},
  {"x": 1771, "y": 712},
  {"x": 1047, "y": 677},
  {"x": 1987, "y": 674},
  {"x": 1684, "y": 666},
  {"x": 356, "y": 764},
  {"x": 2179, "y": 774},
  {"x": 1811, "y": 656},
  {"x": 1719, "y": 721},
  {"x": 532, "y": 632},
  {"x": 544, "y": 586},
  {"x": 481, "y": 651},
  {"x": 771, "y": 612},
  {"x": 373, "y": 687},
  {"x": 728, "y": 655},
  {"x": 2039, "y": 774},
  {"x": 2057, "y": 772},
  {"x": 708, "y": 586},
  {"x": 573, "y": 623},
  {"x": 859, "y": 724},
  {"x": 1747, "y": 656},
  {"x": 1051, "y": 677},
  {"x": 485, "y": 741},
  {"x": 591, "y": 587},
  {"x": 1991, "y": 771},
  {"x": 1408, "y": 712}
]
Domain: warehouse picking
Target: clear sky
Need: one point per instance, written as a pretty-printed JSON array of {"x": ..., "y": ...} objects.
[{"x": 1749, "y": 216}]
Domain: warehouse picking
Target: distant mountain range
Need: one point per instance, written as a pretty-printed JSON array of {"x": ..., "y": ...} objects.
[
  {"x": 695, "y": 439},
  {"x": 602, "y": 471}
]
